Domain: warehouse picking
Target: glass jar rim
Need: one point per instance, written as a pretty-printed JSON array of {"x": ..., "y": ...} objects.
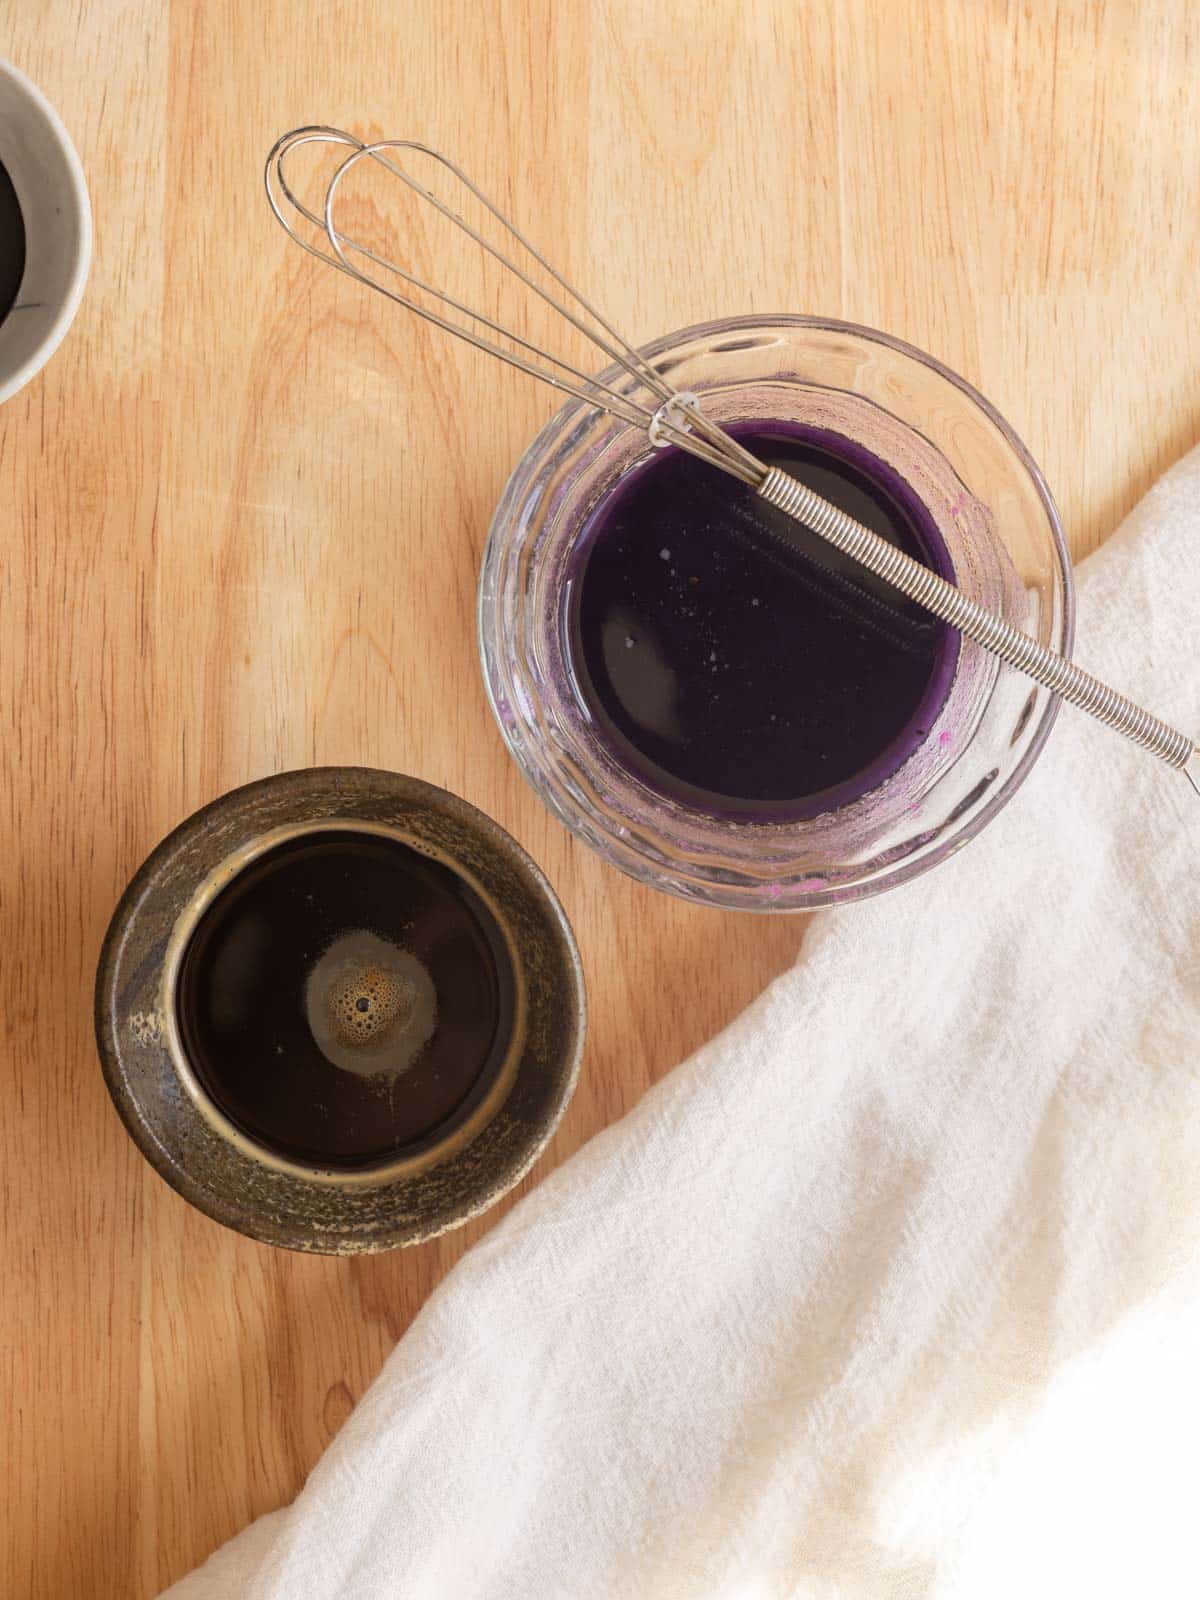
[{"x": 523, "y": 485}]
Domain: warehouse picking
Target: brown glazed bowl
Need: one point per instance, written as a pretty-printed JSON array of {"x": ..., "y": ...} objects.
[{"x": 461, "y": 1169}]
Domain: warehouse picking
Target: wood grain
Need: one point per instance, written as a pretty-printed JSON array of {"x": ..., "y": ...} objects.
[{"x": 242, "y": 512}]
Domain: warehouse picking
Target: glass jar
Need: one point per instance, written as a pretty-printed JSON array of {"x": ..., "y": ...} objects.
[{"x": 988, "y": 502}]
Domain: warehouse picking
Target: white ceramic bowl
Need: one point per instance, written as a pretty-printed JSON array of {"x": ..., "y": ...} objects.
[{"x": 37, "y": 153}]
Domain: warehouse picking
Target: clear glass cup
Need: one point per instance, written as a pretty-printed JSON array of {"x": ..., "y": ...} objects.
[{"x": 992, "y": 509}]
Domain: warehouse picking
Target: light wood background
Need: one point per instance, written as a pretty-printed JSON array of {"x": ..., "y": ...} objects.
[{"x": 242, "y": 512}]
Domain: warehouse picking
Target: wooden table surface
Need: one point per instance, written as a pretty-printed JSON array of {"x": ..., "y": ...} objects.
[{"x": 242, "y": 513}]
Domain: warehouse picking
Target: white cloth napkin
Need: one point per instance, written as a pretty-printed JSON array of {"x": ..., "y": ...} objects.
[{"x": 893, "y": 1288}]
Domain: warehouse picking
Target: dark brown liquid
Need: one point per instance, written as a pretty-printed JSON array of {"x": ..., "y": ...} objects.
[
  {"x": 263, "y": 968},
  {"x": 12, "y": 244}
]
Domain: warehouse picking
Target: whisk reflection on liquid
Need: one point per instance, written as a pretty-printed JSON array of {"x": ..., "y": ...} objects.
[{"x": 669, "y": 417}]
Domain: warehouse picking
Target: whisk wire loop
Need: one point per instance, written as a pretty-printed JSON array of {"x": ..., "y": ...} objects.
[{"x": 539, "y": 362}]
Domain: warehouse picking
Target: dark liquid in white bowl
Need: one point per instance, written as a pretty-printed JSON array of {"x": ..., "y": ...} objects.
[{"x": 12, "y": 244}]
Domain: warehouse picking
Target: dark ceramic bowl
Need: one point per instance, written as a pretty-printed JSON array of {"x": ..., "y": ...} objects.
[{"x": 460, "y": 1169}]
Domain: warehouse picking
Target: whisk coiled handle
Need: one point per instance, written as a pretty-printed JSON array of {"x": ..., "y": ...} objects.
[{"x": 1017, "y": 649}]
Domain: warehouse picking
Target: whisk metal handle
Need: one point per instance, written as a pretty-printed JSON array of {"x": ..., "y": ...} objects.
[{"x": 1017, "y": 649}]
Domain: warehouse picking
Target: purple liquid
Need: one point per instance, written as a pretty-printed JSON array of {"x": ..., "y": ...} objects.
[{"x": 735, "y": 662}]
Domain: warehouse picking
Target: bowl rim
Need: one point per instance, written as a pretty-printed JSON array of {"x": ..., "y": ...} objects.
[
  {"x": 56, "y": 332},
  {"x": 134, "y": 959},
  {"x": 569, "y": 416}
]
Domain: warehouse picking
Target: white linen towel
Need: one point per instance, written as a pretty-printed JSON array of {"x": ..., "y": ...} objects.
[{"x": 892, "y": 1289}]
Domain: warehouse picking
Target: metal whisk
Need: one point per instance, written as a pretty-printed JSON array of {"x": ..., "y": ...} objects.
[{"x": 671, "y": 417}]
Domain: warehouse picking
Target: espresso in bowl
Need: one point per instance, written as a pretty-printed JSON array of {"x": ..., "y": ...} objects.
[{"x": 340, "y": 1010}]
